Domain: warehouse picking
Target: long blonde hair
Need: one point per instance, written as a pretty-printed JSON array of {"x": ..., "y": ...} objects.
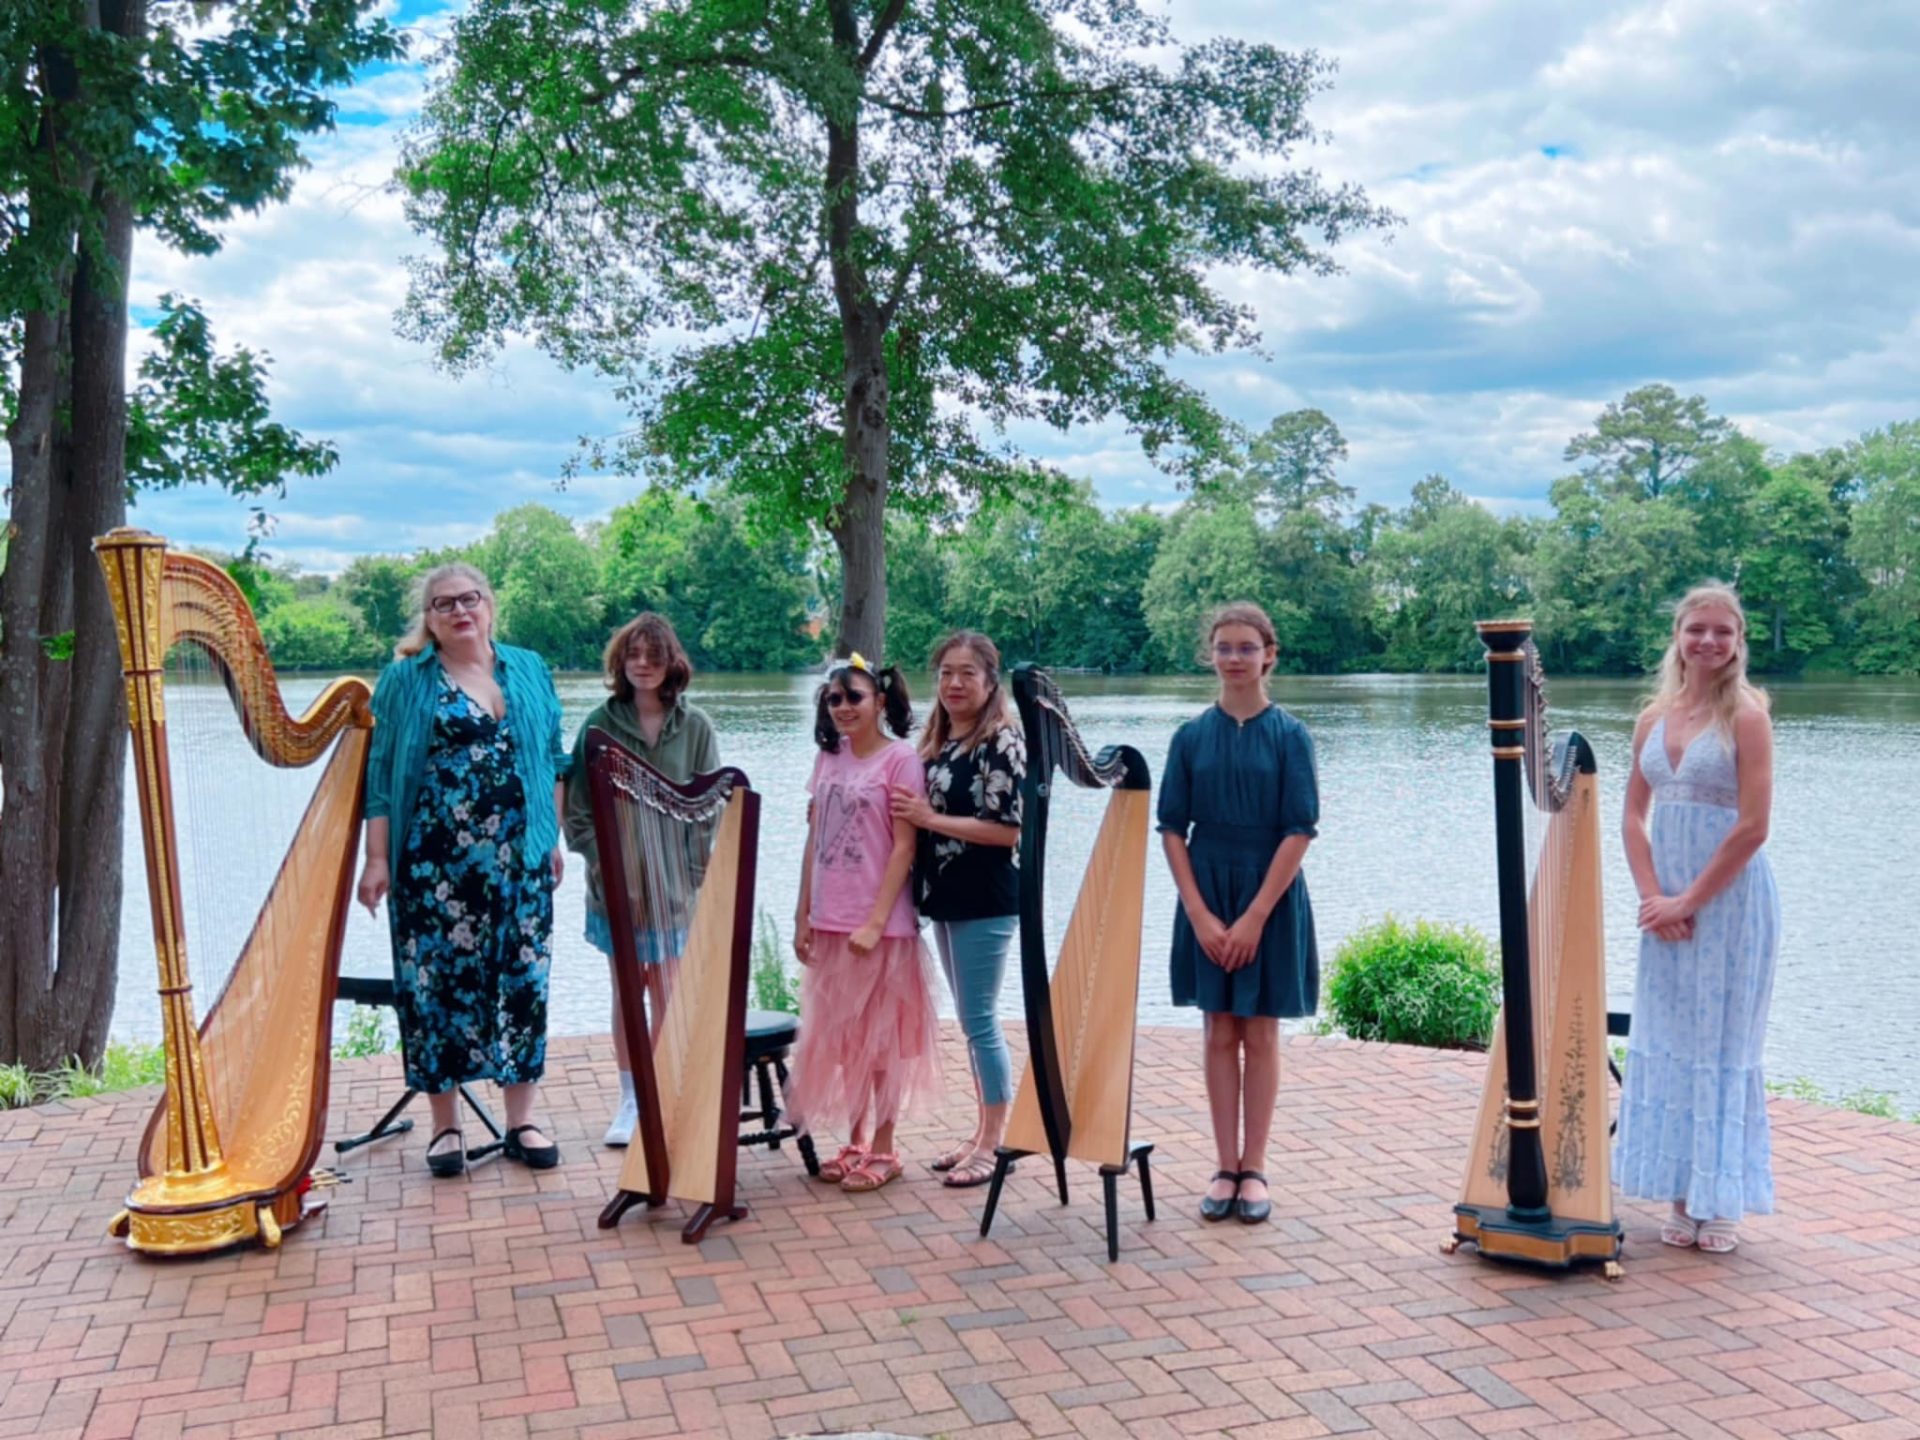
[
  {"x": 418, "y": 637},
  {"x": 1731, "y": 688},
  {"x": 995, "y": 715}
]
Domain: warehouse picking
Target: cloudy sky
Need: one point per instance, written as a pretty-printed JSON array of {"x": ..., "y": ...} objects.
[{"x": 1720, "y": 194}]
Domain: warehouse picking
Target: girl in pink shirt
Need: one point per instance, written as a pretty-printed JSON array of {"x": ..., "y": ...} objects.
[{"x": 869, "y": 1046}]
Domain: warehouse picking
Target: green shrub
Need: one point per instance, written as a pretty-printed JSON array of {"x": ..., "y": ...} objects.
[
  {"x": 1423, "y": 984},
  {"x": 773, "y": 986},
  {"x": 366, "y": 1034}
]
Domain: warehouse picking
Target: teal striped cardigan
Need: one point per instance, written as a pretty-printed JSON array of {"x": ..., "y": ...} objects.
[{"x": 403, "y": 705}]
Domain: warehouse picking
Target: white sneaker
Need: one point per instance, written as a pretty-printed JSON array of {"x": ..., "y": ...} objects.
[{"x": 620, "y": 1132}]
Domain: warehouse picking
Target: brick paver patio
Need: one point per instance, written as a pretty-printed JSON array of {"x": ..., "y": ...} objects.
[{"x": 490, "y": 1305}]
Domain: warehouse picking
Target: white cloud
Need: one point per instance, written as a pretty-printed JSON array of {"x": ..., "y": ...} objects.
[{"x": 1720, "y": 194}]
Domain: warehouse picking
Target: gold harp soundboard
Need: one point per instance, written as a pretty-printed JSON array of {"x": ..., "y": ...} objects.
[
  {"x": 228, "y": 1153},
  {"x": 677, "y": 864},
  {"x": 1538, "y": 1187},
  {"x": 1076, "y": 1097}
]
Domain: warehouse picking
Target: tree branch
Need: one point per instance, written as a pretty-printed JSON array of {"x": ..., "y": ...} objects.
[
  {"x": 881, "y": 28},
  {"x": 915, "y": 112}
]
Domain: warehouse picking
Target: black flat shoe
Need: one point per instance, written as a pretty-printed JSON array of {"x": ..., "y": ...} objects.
[
  {"x": 447, "y": 1163},
  {"x": 1252, "y": 1212},
  {"x": 534, "y": 1157},
  {"x": 1212, "y": 1210}
]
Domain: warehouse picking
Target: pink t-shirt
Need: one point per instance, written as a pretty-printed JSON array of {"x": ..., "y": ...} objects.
[{"x": 853, "y": 835}]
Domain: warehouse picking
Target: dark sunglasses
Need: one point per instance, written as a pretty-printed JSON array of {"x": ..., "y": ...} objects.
[{"x": 854, "y": 698}]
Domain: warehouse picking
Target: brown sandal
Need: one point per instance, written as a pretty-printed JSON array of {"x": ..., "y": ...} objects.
[{"x": 876, "y": 1168}]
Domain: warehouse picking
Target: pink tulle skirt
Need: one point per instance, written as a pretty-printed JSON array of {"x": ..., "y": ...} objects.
[{"x": 869, "y": 1038}]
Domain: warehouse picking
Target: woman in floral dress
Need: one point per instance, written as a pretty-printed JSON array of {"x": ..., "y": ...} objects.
[{"x": 466, "y": 758}]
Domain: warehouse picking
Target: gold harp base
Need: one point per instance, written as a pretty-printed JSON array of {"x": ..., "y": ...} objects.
[
  {"x": 1550, "y": 1243},
  {"x": 161, "y": 1224}
]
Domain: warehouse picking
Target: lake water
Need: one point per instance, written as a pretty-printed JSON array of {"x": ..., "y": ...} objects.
[{"x": 1406, "y": 828}]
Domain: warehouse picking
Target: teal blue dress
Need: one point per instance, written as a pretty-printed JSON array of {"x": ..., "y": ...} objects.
[{"x": 1233, "y": 792}]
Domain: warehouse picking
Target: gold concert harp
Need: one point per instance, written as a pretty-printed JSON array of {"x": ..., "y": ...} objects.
[{"x": 227, "y": 1154}]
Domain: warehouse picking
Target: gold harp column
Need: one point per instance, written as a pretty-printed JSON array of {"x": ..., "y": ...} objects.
[{"x": 134, "y": 561}]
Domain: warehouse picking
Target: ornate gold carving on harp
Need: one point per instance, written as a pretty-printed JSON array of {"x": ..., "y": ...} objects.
[
  {"x": 228, "y": 1152},
  {"x": 1076, "y": 1097},
  {"x": 679, "y": 860},
  {"x": 1538, "y": 1186}
]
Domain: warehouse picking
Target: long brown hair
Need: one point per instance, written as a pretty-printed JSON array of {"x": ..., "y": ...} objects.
[
  {"x": 995, "y": 715},
  {"x": 657, "y": 634},
  {"x": 1731, "y": 686}
]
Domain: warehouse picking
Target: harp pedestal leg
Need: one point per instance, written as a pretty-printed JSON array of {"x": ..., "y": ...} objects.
[
  {"x": 623, "y": 1201},
  {"x": 1060, "y": 1176},
  {"x": 695, "y": 1229},
  {"x": 1110, "y": 1185},
  {"x": 1003, "y": 1159}
]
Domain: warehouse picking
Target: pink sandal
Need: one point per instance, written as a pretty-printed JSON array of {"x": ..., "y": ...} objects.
[
  {"x": 836, "y": 1170},
  {"x": 875, "y": 1169}
]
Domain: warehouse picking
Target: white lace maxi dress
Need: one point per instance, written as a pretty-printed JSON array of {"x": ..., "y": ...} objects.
[{"x": 1693, "y": 1110}]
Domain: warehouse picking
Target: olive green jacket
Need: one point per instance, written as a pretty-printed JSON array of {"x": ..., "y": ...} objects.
[{"x": 686, "y": 748}]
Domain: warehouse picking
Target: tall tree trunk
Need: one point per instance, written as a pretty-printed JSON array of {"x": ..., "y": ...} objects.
[
  {"x": 62, "y": 733},
  {"x": 860, "y": 531}
]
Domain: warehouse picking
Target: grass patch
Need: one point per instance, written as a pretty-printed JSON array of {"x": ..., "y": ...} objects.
[
  {"x": 123, "y": 1067},
  {"x": 774, "y": 986}
]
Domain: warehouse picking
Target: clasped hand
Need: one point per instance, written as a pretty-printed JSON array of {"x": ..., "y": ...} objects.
[
  {"x": 1231, "y": 947},
  {"x": 910, "y": 807},
  {"x": 1667, "y": 917}
]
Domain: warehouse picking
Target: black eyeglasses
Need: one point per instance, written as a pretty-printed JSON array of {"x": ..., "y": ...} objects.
[
  {"x": 447, "y": 604},
  {"x": 850, "y": 698}
]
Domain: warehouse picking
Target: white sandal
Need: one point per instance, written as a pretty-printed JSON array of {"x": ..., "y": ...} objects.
[
  {"x": 1680, "y": 1230},
  {"x": 1720, "y": 1237}
]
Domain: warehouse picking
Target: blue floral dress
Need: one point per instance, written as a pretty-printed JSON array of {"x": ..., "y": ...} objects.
[{"x": 473, "y": 920}]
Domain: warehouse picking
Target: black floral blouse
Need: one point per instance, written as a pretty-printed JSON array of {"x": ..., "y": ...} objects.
[{"x": 956, "y": 880}]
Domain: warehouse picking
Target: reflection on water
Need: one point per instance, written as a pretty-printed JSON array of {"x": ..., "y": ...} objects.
[{"x": 1406, "y": 827}]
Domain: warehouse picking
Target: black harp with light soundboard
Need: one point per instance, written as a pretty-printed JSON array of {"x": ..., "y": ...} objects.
[
  {"x": 1538, "y": 1185},
  {"x": 1076, "y": 1097}
]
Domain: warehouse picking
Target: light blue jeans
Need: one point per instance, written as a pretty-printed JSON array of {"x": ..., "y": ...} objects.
[{"x": 974, "y": 955}]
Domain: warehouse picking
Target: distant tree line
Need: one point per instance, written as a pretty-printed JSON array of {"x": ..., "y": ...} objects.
[{"x": 1824, "y": 547}]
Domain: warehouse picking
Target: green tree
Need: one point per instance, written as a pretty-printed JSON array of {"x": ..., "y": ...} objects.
[
  {"x": 921, "y": 607},
  {"x": 1604, "y": 571},
  {"x": 1213, "y": 553},
  {"x": 320, "y": 632},
  {"x": 1438, "y": 566},
  {"x": 135, "y": 115},
  {"x": 1885, "y": 544},
  {"x": 858, "y": 213},
  {"x": 544, "y": 577},
  {"x": 1788, "y": 573},
  {"x": 380, "y": 587},
  {"x": 1646, "y": 441}
]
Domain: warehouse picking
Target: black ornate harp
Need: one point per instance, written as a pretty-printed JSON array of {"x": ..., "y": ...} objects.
[
  {"x": 1538, "y": 1186},
  {"x": 1076, "y": 1097},
  {"x": 679, "y": 860}
]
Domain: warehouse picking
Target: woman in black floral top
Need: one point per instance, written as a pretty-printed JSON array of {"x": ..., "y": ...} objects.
[{"x": 964, "y": 875}]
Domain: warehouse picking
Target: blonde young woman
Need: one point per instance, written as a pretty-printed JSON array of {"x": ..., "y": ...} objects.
[
  {"x": 463, "y": 830},
  {"x": 964, "y": 874},
  {"x": 1693, "y": 1110}
]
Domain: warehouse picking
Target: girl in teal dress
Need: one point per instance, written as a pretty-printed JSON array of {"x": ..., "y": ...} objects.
[{"x": 1238, "y": 806}]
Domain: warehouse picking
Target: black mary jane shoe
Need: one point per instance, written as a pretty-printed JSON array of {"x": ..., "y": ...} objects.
[
  {"x": 1212, "y": 1210},
  {"x": 447, "y": 1163},
  {"x": 534, "y": 1157},
  {"x": 1252, "y": 1212}
]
